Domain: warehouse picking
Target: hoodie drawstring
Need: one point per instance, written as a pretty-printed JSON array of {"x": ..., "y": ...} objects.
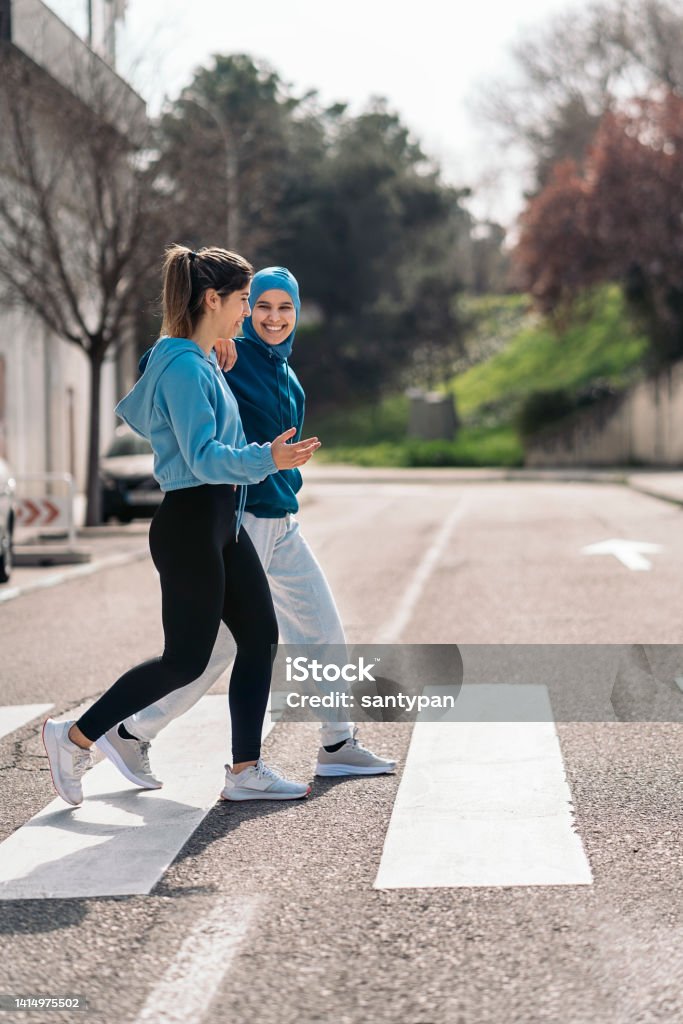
[
  {"x": 289, "y": 394},
  {"x": 241, "y": 503},
  {"x": 275, "y": 364}
]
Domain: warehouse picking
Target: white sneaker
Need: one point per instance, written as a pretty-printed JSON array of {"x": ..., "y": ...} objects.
[
  {"x": 351, "y": 759},
  {"x": 68, "y": 762},
  {"x": 259, "y": 782},
  {"x": 131, "y": 757}
]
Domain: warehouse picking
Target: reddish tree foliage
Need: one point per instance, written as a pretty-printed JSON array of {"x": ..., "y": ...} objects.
[{"x": 617, "y": 217}]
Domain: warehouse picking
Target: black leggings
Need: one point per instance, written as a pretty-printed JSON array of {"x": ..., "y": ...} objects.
[{"x": 206, "y": 575}]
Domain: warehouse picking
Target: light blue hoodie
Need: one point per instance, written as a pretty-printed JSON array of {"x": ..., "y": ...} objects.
[{"x": 185, "y": 409}]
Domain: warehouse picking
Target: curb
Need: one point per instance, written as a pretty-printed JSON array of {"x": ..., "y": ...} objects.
[
  {"x": 109, "y": 562},
  {"x": 659, "y": 495}
]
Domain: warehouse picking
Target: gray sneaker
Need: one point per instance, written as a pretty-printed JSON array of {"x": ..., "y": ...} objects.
[
  {"x": 259, "y": 782},
  {"x": 68, "y": 762},
  {"x": 352, "y": 759},
  {"x": 131, "y": 757}
]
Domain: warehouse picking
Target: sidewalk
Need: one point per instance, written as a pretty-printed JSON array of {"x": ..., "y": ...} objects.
[
  {"x": 107, "y": 546},
  {"x": 344, "y": 473},
  {"x": 666, "y": 485}
]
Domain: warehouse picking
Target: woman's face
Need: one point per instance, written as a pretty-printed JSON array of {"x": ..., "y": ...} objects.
[
  {"x": 230, "y": 312},
  {"x": 273, "y": 316}
]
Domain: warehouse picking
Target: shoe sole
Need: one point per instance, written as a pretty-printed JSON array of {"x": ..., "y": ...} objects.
[
  {"x": 251, "y": 795},
  {"x": 113, "y": 755},
  {"x": 52, "y": 751},
  {"x": 338, "y": 770}
]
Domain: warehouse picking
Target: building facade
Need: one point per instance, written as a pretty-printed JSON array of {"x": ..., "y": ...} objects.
[{"x": 44, "y": 380}]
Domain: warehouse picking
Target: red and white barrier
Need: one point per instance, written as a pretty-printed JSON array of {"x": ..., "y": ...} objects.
[{"x": 37, "y": 512}]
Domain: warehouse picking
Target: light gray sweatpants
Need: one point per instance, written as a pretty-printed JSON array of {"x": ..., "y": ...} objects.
[{"x": 306, "y": 614}]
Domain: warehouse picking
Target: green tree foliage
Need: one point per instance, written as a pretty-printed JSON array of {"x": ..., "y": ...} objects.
[
  {"x": 350, "y": 203},
  {"x": 223, "y": 145},
  {"x": 380, "y": 258}
]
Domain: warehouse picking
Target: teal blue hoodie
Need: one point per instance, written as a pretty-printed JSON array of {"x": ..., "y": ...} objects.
[{"x": 184, "y": 408}]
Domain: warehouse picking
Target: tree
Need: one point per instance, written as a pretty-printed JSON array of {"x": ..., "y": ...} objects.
[
  {"x": 616, "y": 217},
  {"x": 376, "y": 230},
  {"x": 351, "y": 204},
  {"x": 577, "y": 66},
  {"x": 74, "y": 205},
  {"x": 223, "y": 146}
]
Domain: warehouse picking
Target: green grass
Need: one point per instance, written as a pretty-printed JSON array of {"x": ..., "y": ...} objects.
[
  {"x": 499, "y": 446},
  {"x": 600, "y": 345},
  {"x": 384, "y": 421},
  {"x": 527, "y": 355}
]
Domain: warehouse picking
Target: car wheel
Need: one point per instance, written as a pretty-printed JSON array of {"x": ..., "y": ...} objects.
[{"x": 5, "y": 558}]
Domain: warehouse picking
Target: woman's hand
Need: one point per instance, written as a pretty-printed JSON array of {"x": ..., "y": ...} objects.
[
  {"x": 287, "y": 456},
  {"x": 226, "y": 353}
]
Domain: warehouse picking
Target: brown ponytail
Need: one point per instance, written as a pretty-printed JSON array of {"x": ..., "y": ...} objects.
[{"x": 187, "y": 275}]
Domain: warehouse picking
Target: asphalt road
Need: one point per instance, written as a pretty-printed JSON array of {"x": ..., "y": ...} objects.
[{"x": 283, "y": 894}]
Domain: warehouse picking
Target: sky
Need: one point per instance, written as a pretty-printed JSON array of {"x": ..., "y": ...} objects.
[{"x": 427, "y": 57}]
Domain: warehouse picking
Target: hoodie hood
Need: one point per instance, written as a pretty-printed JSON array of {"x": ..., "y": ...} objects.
[
  {"x": 136, "y": 408},
  {"x": 264, "y": 281}
]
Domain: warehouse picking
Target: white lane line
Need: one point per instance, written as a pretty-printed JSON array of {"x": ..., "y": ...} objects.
[
  {"x": 122, "y": 839},
  {"x": 54, "y": 579},
  {"x": 391, "y": 632},
  {"x": 191, "y": 982},
  {"x": 14, "y": 716},
  {"x": 484, "y": 802}
]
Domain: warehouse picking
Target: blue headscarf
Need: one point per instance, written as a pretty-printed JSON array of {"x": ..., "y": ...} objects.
[{"x": 263, "y": 281}]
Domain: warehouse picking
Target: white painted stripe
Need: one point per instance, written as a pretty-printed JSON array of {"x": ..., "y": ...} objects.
[
  {"x": 191, "y": 982},
  {"x": 87, "y": 569},
  {"x": 14, "y": 716},
  {"x": 484, "y": 802},
  {"x": 391, "y": 632},
  {"x": 122, "y": 839}
]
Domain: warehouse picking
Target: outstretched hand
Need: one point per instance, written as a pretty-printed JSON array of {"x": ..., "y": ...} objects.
[{"x": 287, "y": 456}]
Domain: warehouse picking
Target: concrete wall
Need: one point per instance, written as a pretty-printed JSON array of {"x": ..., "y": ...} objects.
[{"x": 643, "y": 426}]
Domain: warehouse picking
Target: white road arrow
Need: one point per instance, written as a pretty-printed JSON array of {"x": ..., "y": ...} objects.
[{"x": 629, "y": 552}]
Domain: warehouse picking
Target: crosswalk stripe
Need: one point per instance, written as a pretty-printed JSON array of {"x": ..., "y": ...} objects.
[
  {"x": 484, "y": 802},
  {"x": 14, "y": 716},
  {"x": 192, "y": 980},
  {"x": 122, "y": 839}
]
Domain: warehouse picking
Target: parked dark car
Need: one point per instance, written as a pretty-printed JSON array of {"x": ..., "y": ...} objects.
[
  {"x": 129, "y": 489},
  {"x": 7, "y": 492}
]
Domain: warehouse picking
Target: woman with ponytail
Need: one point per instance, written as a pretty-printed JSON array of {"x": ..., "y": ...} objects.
[
  {"x": 270, "y": 398},
  {"x": 208, "y": 568}
]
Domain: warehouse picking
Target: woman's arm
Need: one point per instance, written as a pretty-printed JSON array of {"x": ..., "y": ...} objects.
[{"x": 184, "y": 395}]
